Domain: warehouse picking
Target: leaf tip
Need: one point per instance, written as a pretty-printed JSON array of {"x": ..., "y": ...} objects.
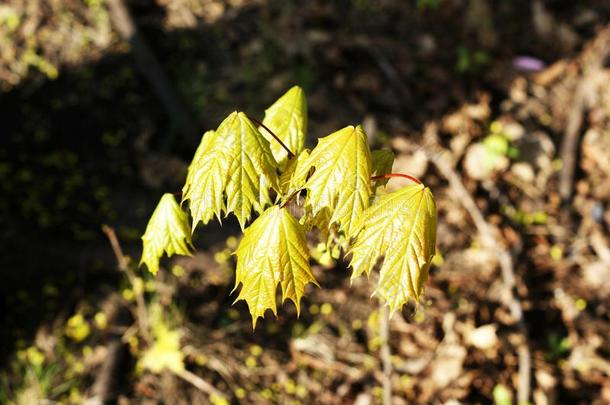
[{"x": 153, "y": 267}]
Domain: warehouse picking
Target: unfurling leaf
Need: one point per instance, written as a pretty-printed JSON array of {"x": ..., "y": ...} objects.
[
  {"x": 287, "y": 118},
  {"x": 341, "y": 180},
  {"x": 293, "y": 178},
  {"x": 234, "y": 161},
  {"x": 383, "y": 159},
  {"x": 273, "y": 251},
  {"x": 400, "y": 228},
  {"x": 167, "y": 231}
]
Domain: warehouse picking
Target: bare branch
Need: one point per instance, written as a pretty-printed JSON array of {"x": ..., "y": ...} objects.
[
  {"x": 385, "y": 353},
  {"x": 489, "y": 237},
  {"x": 199, "y": 383},
  {"x": 142, "y": 313}
]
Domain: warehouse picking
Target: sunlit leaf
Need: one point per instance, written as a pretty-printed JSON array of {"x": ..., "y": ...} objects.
[
  {"x": 235, "y": 162},
  {"x": 235, "y": 169},
  {"x": 202, "y": 150},
  {"x": 273, "y": 251},
  {"x": 207, "y": 178},
  {"x": 167, "y": 231},
  {"x": 400, "y": 228},
  {"x": 383, "y": 159},
  {"x": 287, "y": 118},
  {"x": 341, "y": 180},
  {"x": 252, "y": 169}
]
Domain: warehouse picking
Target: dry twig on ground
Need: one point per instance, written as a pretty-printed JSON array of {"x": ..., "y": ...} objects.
[
  {"x": 386, "y": 360},
  {"x": 124, "y": 267},
  {"x": 489, "y": 235},
  {"x": 584, "y": 99}
]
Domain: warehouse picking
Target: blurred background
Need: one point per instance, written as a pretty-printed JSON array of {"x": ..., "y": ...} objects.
[{"x": 501, "y": 107}]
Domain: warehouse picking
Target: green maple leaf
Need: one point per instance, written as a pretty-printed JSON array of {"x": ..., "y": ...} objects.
[
  {"x": 252, "y": 170},
  {"x": 233, "y": 171},
  {"x": 399, "y": 227},
  {"x": 235, "y": 162},
  {"x": 383, "y": 159},
  {"x": 273, "y": 251},
  {"x": 341, "y": 180},
  {"x": 287, "y": 118},
  {"x": 167, "y": 231},
  {"x": 207, "y": 178}
]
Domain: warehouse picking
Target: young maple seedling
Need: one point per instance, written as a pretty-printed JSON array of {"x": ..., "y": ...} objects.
[{"x": 338, "y": 183}]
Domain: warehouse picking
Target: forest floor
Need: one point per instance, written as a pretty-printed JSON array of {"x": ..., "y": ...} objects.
[{"x": 501, "y": 108}]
